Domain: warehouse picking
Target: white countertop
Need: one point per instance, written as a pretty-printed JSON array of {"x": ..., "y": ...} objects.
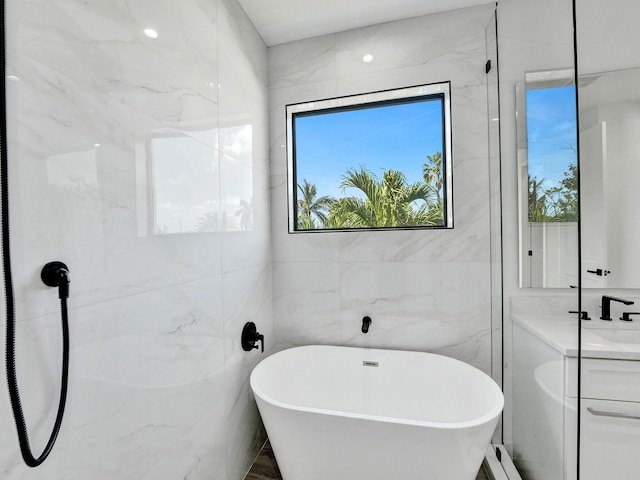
[{"x": 561, "y": 333}]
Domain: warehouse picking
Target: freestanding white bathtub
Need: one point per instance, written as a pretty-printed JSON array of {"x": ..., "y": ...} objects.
[{"x": 343, "y": 413}]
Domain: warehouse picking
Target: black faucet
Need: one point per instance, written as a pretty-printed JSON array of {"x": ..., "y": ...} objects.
[
  {"x": 606, "y": 306},
  {"x": 366, "y": 321}
]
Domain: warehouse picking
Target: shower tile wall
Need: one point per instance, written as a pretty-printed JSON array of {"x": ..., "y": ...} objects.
[
  {"x": 425, "y": 290},
  {"x": 143, "y": 164}
]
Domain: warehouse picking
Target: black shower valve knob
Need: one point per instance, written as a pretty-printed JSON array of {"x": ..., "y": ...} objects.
[{"x": 251, "y": 336}]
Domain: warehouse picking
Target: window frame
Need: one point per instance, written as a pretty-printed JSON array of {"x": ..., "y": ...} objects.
[{"x": 380, "y": 98}]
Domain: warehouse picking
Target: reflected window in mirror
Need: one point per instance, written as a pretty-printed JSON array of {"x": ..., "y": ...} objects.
[
  {"x": 200, "y": 181},
  {"x": 551, "y": 137},
  {"x": 548, "y": 180}
]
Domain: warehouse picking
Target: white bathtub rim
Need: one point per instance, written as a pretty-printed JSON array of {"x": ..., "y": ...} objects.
[{"x": 489, "y": 417}]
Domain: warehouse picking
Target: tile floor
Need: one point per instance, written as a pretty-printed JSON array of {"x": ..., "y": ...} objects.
[{"x": 266, "y": 468}]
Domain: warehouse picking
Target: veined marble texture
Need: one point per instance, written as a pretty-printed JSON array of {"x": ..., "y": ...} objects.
[
  {"x": 142, "y": 164},
  {"x": 424, "y": 289}
]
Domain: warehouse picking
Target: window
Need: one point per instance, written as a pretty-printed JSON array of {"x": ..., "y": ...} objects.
[{"x": 373, "y": 161}]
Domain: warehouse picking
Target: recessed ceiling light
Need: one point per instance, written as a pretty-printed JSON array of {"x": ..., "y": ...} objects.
[
  {"x": 13, "y": 78},
  {"x": 96, "y": 145},
  {"x": 368, "y": 58},
  {"x": 151, "y": 33}
]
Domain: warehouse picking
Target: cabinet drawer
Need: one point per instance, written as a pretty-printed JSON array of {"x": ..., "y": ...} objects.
[
  {"x": 611, "y": 379},
  {"x": 610, "y": 435}
]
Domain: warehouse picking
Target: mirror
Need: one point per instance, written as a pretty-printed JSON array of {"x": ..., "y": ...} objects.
[
  {"x": 609, "y": 106},
  {"x": 609, "y": 178},
  {"x": 547, "y": 179}
]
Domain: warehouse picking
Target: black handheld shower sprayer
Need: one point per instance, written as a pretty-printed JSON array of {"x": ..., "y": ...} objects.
[{"x": 54, "y": 274}]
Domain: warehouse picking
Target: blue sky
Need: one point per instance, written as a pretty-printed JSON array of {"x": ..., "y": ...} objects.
[
  {"x": 551, "y": 131},
  {"x": 394, "y": 136}
]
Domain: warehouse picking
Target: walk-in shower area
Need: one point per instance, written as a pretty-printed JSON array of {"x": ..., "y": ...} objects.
[{"x": 368, "y": 239}]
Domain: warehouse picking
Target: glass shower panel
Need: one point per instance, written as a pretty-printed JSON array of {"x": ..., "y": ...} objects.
[
  {"x": 540, "y": 335},
  {"x": 609, "y": 119},
  {"x": 123, "y": 161},
  {"x": 493, "y": 115}
]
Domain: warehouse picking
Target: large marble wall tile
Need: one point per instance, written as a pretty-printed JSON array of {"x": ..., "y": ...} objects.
[
  {"x": 132, "y": 360},
  {"x": 462, "y": 243},
  {"x": 303, "y": 62},
  {"x": 397, "y": 296},
  {"x": 306, "y": 308},
  {"x": 234, "y": 24},
  {"x": 245, "y": 432},
  {"x": 77, "y": 143},
  {"x": 469, "y": 118},
  {"x": 424, "y": 289},
  {"x": 316, "y": 247},
  {"x": 246, "y": 257},
  {"x": 126, "y": 152},
  {"x": 429, "y": 41},
  {"x": 246, "y": 297}
]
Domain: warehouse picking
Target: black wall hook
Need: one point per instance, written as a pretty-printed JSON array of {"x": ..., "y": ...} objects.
[{"x": 250, "y": 337}]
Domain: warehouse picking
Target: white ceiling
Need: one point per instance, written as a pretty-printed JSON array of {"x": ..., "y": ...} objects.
[{"x": 281, "y": 21}]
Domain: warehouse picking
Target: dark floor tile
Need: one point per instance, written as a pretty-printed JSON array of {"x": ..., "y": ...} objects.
[
  {"x": 266, "y": 468},
  {"x": 482, "y": 475}
]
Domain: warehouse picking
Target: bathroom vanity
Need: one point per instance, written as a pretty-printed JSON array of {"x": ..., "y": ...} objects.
[{"x": 545, "y": 392}]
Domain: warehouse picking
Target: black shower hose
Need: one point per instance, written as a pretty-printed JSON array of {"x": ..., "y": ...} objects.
[{"x": 12, "y": 380}]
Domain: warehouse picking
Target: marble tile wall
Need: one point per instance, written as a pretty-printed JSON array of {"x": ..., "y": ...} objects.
[
  {"x": 425, "y": 290},
  {"x": 143, "y": 164}
]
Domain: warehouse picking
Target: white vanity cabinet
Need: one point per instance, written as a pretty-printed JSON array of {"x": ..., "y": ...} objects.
[
  {"x": 545, "y": 399},
  {"x": 544, "y": 426},
  {"x": 610, "y": 419}
]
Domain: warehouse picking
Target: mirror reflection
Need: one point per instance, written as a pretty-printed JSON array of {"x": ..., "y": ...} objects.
[
  {"x": 609, "y": 176},
  {"x": 196, "y": 183},
  {"x": 609, "y": 106},
  {"x": 548, "y": 181}
]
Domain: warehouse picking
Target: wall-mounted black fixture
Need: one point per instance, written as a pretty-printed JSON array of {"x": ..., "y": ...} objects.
[
  {"x": 53, "y": 274},
  {"x": 250, "y": 337},
  {"x": 584, "y": 315},
  {"x": 606, "y": 305},
  {"x": 56, "y": 274},
  {"x": 626, "y": 316},
  {"x": 366, "y": 322},
  {"x": 601, "y": 272}
]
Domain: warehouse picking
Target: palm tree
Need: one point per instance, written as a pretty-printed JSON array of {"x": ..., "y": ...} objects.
[
  {"x": 563, "y": 198},
  {"x": 245, "y": 212},
  {"x": 311, "y": 208},
  {"x": 537, "y": 200},
  {"x": 432, "y": 172},
  {"x": 209, "y": 222},
  {"x": 390, "y": 202}
]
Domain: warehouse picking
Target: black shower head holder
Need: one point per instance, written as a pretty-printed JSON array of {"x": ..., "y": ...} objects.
[{"x": 56, "y": 274}]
